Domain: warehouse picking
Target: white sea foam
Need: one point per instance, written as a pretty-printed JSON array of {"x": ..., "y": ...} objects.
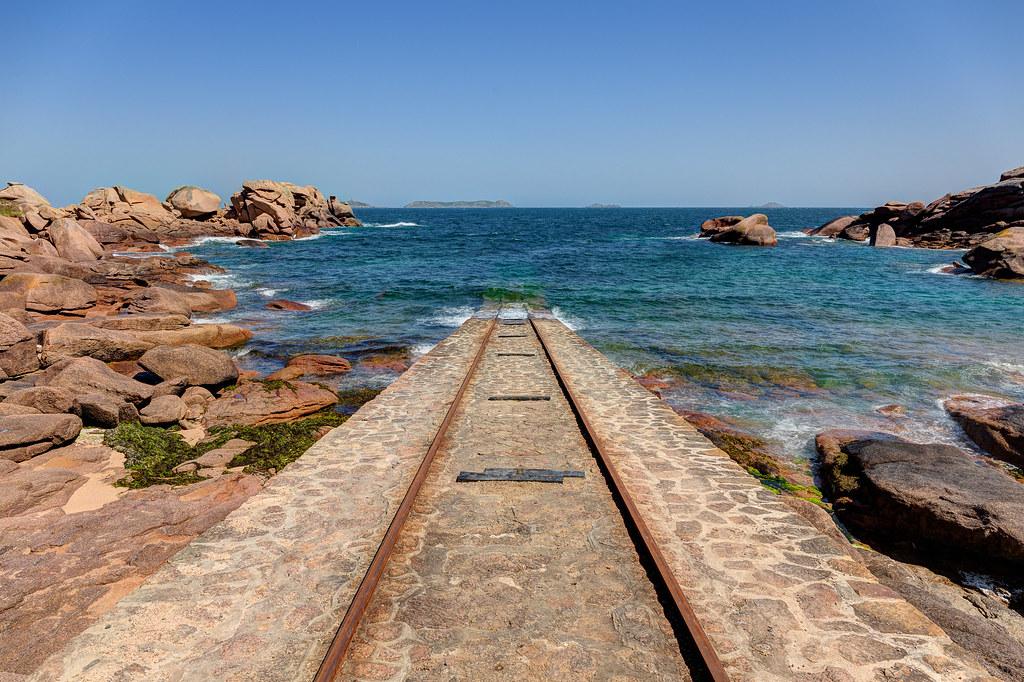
[
  {"x": 451, "y": 317},
  {"x": 421, "y": 349},
  {"x": 225, "y": 279},
  {"x": 573, "y": 323},
  {"x": 398, "y": 224},
  {"x": 212, "y": 320},
  {"x": 269, "y": 293},
  {"x": 318, "y": 303},
  {"x": 309, "y": 237},
  {"x": 794, "y": 234}
]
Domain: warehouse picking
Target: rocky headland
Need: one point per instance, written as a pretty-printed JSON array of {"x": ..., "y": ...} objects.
[
  {"x": 988, "y": 220},
  {"x": 126, "y": 429}
]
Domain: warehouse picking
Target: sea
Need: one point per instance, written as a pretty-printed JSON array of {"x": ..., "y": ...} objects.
[{"x": 783, "y": 342}]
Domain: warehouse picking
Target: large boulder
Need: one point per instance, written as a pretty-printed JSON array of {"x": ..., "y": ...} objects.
[
  {"x": 17, "y": 348},
  {"x": 103, "y": 410},
  {"x": 27, "y": 435},
  {"x": 157, "y": 300},
  {"x": 883, "y": 235},
  {"x": 163, "y": 410},
  {"x": 73, "y": 242},
  {"x": 73, "y": 339},
  {"x": 209, "y": 335},
  {"x": 142, "y": 322},
  {"x": 997, "y": 426},
  {"x": 834, "y": 227},
  {"x": 716, "y": 225},
  {"x": 44, "y": 399},
  {"x": 194, "y": 202},
  {"x": 753, "y": 230},
  {"x": 200, "y": 366},
  {"x": 257, "y": 403},
  {"x": 30, "y": 206},
  {"x": 1001, "y": 257},
  {"x": 48, "y": 293},
  {"x": 89, "y": 375},
  {"x": 932, "y": 499}
]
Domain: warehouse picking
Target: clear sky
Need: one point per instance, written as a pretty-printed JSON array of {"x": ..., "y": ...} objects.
[{"x": 541, "y": 103}]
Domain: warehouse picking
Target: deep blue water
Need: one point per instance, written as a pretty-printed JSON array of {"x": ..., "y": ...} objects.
[{"x": 789, "y": 340}]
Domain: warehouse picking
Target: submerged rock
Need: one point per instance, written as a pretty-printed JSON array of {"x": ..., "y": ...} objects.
[
  {"x": 997, "y": 426},
  {"x": 753, "y": 230},
  {"x": 931, "y": 500},
  {"x": 284, "y": 304}
]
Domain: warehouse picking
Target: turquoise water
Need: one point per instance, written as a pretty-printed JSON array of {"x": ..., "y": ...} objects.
[{"x": 788, "y": 341}]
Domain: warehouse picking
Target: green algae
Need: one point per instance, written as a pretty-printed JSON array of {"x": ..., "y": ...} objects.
[
  {"x": 351, "y": 399},
  {"x": 9, "y": 210},
  {"x": 152, "y": 453}
]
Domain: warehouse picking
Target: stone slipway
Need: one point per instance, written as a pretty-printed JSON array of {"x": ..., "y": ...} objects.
[
  {"x": 779, "y": 600},
  {"x": 259, "y": 595}
]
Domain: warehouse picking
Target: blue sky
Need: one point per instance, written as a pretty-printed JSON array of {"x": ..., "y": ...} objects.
[{"x": 541, "y": 103}]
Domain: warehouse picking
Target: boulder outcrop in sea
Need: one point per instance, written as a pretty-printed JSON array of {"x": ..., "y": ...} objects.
[
  {"x": 753, "y": 230},
  {"x": 967, "y": 219}
]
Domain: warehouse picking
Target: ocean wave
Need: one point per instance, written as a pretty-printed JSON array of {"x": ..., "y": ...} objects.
[
  {"x": 398, "y": 224},
  {"x": 199, "y": 241},
  {"x": 268, "y": 292},
  {"x": 309, "y": 237},
  {"x": 421, "y": 349},
  {"x": 212, "y": 320},
  {"x": 450, "y": 317},
  {"x": 793, "y": 234},
  {"x": 225, "y": 279},
  {"x": 318, "y": 303}
]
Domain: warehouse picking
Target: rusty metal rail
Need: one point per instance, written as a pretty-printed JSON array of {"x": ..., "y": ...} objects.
[
  {"x": 335, "y": 656},
  {"x": 679, "y": 603}
]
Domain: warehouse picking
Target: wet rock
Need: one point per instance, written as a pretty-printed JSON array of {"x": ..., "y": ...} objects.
[
  {"x": 194, "y": 202},
  {"x": 49, "y": 293},
  {"x": 753, "y": 230},
  {"x": 44, "y": 399},
  {"x": 73, "y": 242},
  {"x": 104, "y": 410},
  {"x": 73, "y": 339},
  {"x": 253, "y": 243},
  {"x": 163, "y": 410},
  {"x": 27, "y": 435},
  {"x": 312, "y": 365},
  {"x": 931, "y": 500},
  {"x": 17, "y": 348},
  {"x": 997, "y": 426},
  {"x": 1001, "y": 257},
  {"x": 833, "y": 228},
  {"x": 198, "y": 365},
  {"x": 284, "y": 304},
  {"x": 883, "y": 235},
  {"x": 892, "y": 410},
  {"x": 257, "y": 403},
  {"x": 88, "y": 375},
  {"x": 157, "y": 300},
  {"x": 716, "y": 225}
]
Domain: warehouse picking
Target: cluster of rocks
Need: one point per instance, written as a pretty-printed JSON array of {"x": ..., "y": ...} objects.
[
  {"x": 988, "y": 220},
  {"x": 752, "y": 230}
]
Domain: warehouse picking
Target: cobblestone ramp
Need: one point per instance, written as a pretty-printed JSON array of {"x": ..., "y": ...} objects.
[
  {"x": 779, "y": 600},
  {"x": 259, "y": 595},
  {"x": 515, "y": 580}
]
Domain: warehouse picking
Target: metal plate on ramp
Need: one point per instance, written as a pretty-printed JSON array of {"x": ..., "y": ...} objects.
[{"x": 520, "y": 475}]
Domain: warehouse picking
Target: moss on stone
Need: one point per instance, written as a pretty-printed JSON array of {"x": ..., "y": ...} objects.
[
  {"x": 152, "y": 453},
  {"x": 8, "y": 209}
]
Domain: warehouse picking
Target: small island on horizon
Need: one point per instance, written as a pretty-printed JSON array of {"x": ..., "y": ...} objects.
[
  {"x": 481, "y": 203},
  {"x": 604, "y": 206},
  {"x": 771, "y": 204}
]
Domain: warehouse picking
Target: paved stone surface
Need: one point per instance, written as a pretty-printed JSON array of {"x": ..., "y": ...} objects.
[
  {"x": 259, "y": 595},
  {"x": 513, "y": 580},
  {"x": 780, "y": 600}
]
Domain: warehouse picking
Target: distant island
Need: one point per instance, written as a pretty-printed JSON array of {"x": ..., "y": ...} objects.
[
  {"x": 604, "y": 206},
  {"x": 459, "y": 204},
  {"x": 358, "y": 204},
  {"x": 770, "y": 204}
]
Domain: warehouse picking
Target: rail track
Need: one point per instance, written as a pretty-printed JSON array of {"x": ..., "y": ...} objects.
[{"x": 698, "y": 649}]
